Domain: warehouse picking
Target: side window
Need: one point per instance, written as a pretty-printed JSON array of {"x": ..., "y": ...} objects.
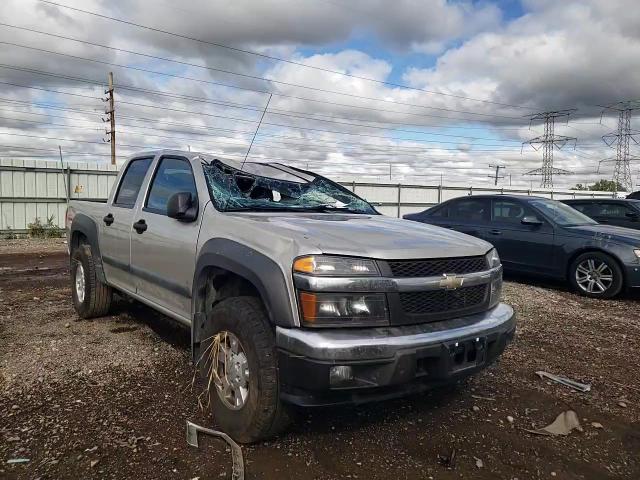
[
  {"x": 469, "y": 209},
  {"x": 614, "y": 210},
  {"x": 173, "y": 175},
  {"x": 507, "y": 211},
  {"x": 131, "y": 182}
]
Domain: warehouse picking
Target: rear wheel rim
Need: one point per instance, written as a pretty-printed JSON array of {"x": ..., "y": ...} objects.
[
  {"x": 594, "y": 276},
  {"x": 232, "y": 382},
  {"x": 79, "y": 283}
]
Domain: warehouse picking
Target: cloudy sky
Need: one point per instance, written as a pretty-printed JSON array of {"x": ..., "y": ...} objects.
[{"x": 402, "y": 91}]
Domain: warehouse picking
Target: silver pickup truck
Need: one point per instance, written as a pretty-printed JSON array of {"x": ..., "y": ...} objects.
[{"x": 296, "y": 291}]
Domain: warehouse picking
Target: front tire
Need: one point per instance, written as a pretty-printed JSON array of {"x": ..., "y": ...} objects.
[
  {"x": 596, "y": 275},
  {"x": 91, "y": 297},
  {"x": 245, "y": 399}
]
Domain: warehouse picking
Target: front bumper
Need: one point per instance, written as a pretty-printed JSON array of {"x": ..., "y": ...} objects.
[{"x": 388, "y": 362}]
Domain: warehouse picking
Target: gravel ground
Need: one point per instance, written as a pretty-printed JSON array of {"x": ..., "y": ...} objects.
[{"x": 108, "y": 398}]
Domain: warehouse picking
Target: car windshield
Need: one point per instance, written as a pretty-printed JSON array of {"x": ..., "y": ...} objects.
[
  {"x": 276, "y": 187},
  {"x": 561, "y": 213}
]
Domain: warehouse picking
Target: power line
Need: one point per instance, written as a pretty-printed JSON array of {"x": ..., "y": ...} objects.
[
  {"x": 362, "y": 97},
  {"x": 271, "y": 57},
  {"x": 257, "y": 108}
]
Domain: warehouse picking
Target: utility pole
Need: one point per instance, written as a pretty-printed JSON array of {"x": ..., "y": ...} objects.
[
  {"x": 548, "y": 141},
  {"x": 621, "y": 139},
  {"x": 497, "y": 175},
  {"x": 111, "y": 112}
]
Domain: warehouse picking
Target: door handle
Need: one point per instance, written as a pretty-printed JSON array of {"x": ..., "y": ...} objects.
[
  {"x": 495, "y": 232},
  {"x": 108, "y": 219},
  {"x": 140, "y": 226}
]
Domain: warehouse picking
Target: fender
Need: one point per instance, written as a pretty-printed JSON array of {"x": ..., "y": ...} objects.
[
  {"x": 87, "y": 226},
  {"x": 257, "y": 268}
]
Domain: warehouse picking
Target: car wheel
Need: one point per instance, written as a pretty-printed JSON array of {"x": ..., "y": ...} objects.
[
  {"x": 91, "y": 297},
  {"x": 242, "y": 385},
  {"x": 596, "y": 274}
]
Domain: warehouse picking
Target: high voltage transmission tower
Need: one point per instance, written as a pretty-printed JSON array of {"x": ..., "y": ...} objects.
[
  {"x": 621, "y": 139},
  {"x": 548, "y": 141}
]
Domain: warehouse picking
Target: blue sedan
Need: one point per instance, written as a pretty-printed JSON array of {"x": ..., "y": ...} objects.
[{"x": 543, "y": 237}]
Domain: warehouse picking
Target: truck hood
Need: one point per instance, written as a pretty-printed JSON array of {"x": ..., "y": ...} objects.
[{"x": 373, "y": 236}]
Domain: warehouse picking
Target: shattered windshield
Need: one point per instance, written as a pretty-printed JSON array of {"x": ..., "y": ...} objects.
[{"x": 277, "y": 187}]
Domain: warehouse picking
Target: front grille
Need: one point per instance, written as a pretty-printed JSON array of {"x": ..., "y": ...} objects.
[
  {"x": 437, "y": 266},
  {"x": 443, "y": 301}
]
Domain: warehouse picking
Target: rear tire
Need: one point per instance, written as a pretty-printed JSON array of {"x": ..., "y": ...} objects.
[
  {"x": 590, "y": 272},
  {"x": 91, "y": 297},
  {"x": 261, "y": 415}
]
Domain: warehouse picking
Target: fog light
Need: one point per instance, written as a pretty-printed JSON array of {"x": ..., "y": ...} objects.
[{"x": 340, "y": 374}]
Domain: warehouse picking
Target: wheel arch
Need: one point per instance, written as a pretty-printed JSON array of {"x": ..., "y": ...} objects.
[
  {"x": 225, "y": 268},
  {"x": 84, "y": 228}
]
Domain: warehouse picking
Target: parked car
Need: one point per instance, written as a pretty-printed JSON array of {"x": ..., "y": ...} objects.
[
  {"x": 296, "y": 291},
  {"x": 609, "y": 211},
  {"x": 538, "y": 236}
]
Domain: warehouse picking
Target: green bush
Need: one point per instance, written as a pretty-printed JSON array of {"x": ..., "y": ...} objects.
[
  {"x": 37, "y": 229},
  {"x": 9, "y": 234}
]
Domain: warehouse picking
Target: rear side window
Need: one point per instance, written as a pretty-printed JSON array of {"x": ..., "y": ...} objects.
[
  {"x": 173, "y": 175},
  {"x": 438, "y": 212},
  {"x": 131, "y": 182},
  {"x": 589, "y": 209},
  {"x": 614, "y": 210},
  {"x": 471, "y": 209}
]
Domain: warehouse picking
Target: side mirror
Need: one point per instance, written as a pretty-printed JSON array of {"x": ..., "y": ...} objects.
[
  {"x": 531, "y": 220},
  {"x": 181, "y": 207}
]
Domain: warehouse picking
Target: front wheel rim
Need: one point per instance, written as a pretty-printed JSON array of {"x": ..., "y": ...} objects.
[
  {"x": 594, "y": 276},
  {"x": 232, "y": 379},
  {"x": 79, "y": 283}
]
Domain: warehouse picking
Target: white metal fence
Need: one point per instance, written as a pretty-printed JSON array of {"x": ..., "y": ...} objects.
[{"x": 31, "y": 189}]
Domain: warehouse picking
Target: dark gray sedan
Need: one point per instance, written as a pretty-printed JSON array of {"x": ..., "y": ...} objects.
[
  {"x": 543, "y": 237},
  {"x": 609, "y": 211}
]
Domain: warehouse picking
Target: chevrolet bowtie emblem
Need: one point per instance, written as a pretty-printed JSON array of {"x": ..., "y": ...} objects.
[{"x": 450, "y": 281}]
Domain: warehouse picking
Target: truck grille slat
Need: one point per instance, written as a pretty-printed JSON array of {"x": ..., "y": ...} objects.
[
  {"x": 437, "y": 266},
  {"x": 440, "y": 301}
]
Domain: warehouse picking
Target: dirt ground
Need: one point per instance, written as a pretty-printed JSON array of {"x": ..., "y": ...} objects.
[{"x": 109, "y": 398}]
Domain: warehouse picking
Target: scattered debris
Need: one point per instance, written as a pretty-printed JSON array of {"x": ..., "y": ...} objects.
[
  {"x": 18, "y": 460},
  {"x": 510, "y": 419},
  {"x": 581, "y": 387},
  {"x": 562, "y": 425},
  {"x": 475, "y": 408},
  {"x": 479, "y": 397},
  {"x": 622, "y": 404},
  {"x": 236, "y": 451},
  {"x": 479, "y": 463},
  {"x": 597, "y": 425},
  {"x": 94, "y": 463},
  {"x": 448, "y": 460}
]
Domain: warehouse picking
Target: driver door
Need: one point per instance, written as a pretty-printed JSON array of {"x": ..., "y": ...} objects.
[{"x": 522, "y": 248}]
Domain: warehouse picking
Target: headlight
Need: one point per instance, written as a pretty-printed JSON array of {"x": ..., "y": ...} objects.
[
  {"x": 493, "y": 259},
  {"x": 336, "y": 266},
  {"x": 347, "y": 310}
]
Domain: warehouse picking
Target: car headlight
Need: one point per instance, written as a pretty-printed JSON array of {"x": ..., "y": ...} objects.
[
  {"x": 493, "y": 259},
  {"x": 335, "y": 266},
  {"x": 347, "y": 310}
]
